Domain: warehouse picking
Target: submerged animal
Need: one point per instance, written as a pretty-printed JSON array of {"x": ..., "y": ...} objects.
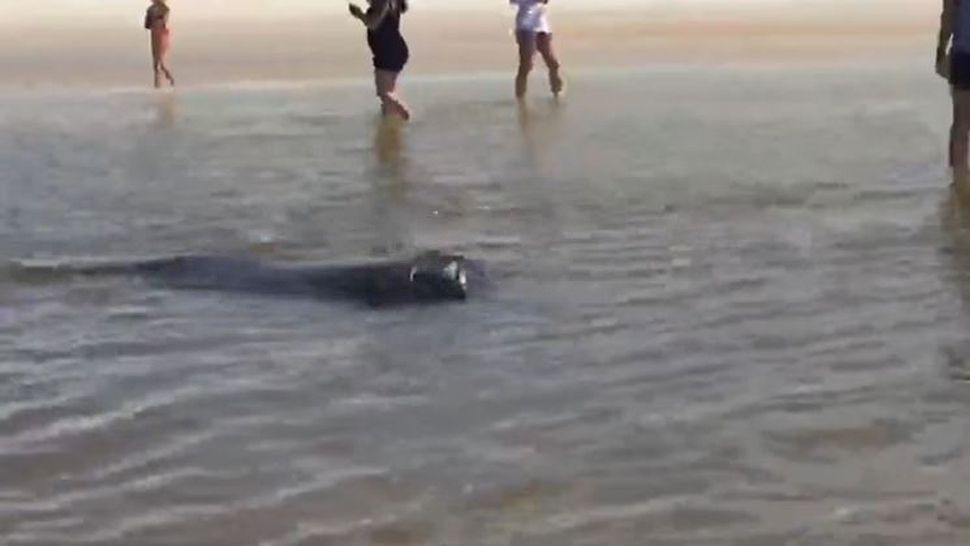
[{"x": 428, "y": 277}]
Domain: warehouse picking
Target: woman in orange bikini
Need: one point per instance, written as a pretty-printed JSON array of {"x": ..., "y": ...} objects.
[{"x": 156, "y": 20}]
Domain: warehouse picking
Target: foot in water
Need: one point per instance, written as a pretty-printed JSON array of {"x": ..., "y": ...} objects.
[
  {"x": 403, "y": 112},
  {"x": 557, "y": 84}
]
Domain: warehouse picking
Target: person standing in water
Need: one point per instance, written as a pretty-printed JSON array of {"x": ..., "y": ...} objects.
[
  {"x": 533, "y": 33},
  {"x": 953, "y": 63},
  {"x": 156, "y": 21},
  {"x": 389, "y": 49}
]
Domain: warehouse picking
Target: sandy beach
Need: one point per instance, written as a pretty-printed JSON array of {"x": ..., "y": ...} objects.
[{"x": 332, "y": 46}]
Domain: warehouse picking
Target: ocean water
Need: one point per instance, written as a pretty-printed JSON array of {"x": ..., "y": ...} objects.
[{"x": 727, "y": 305}]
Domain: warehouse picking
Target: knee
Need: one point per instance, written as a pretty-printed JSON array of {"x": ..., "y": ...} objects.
[{"x": 525, "y": 66}]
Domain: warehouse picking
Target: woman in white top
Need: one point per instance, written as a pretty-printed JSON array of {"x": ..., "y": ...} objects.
[{"x": 533, "y": 33}]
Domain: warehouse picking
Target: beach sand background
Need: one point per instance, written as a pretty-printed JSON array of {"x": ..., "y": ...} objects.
[{"x": 320, "y": 45}]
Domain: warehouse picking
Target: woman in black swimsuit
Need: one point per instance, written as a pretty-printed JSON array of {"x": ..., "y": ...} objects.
[{"x": 383, "y": 22}]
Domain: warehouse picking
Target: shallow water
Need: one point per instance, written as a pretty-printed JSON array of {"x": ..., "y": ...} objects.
[{"x": 729, "y": 306}]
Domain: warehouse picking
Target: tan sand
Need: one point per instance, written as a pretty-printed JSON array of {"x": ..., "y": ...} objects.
[{"x": 334, "y": 47}]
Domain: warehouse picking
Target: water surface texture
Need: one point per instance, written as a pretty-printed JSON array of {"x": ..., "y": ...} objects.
[{"x": 728, "y": 306}]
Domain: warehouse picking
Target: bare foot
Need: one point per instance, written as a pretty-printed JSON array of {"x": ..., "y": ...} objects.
[
  {"x": 556, "y": 83},
  {"x": 403, "y": 112}
]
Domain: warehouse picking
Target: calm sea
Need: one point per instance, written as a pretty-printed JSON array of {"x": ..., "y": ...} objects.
[{"x": 727, "y": 305}]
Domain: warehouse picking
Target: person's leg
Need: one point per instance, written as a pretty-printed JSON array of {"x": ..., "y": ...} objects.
[
  {"x": 377, "y": 93},
  {"x": 386, "y": 82},
  {"x": 544, "y": 45},
  {"x": 163, "y": 68},
  {"x": 960, "y": 137},
  {"x": 163, "y": 64},
  {"x": 527, "y": 51},
  {"x": 156, "y": 60}
]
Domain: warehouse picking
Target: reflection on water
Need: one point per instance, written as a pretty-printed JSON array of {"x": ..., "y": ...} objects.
[
  {"x": 540, "y": 126},
  {"x": 167, "y": 109},
  {"x": 955, "y": 219},
  {"x": 390, "y": 180},
  {"x": 389, "y": 147}
]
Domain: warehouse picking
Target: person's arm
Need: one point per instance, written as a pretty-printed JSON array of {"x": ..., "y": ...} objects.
[
  {"x": 372, "y": 17},
  {"x": 946, "y": 28}
]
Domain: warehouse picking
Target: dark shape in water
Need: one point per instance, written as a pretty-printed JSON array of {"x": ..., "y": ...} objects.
[{"x": 429, "y": 277}]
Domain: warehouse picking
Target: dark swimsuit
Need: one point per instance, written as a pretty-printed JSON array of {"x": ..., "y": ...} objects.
[
  {"x": 386, "y": 43},
  {"x": 152, "y": 16},
  {"x": 959, "y": 53},
  {"x": 960, "y": 70}
]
